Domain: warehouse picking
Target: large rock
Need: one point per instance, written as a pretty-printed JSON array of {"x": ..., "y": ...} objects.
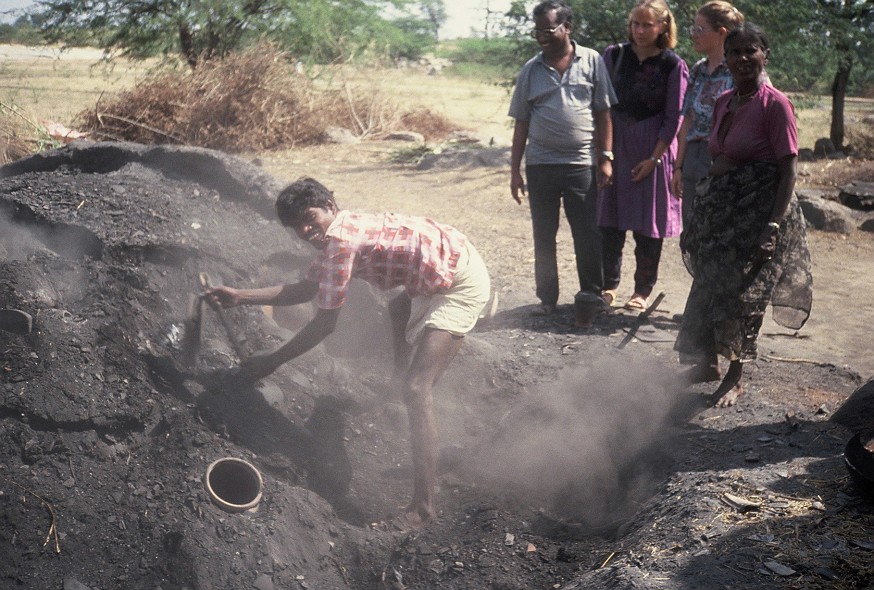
[
  {"x": 339, "y": 135},
  {"x": 858, "y": 195},
  {"x": 825, "y": 215},
  {"x": 857, "y": 413},
  {"x": 474, "y": 158}
]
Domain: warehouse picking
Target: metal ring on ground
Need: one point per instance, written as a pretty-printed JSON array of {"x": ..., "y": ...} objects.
[{"x": 234, "y": 485}]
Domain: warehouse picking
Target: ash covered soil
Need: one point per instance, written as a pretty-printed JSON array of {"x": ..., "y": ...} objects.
[{"x": 566, "y": 460}]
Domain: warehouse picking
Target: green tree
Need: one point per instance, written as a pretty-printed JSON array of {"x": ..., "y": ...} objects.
[
  {"x": 198, "y": 30},
  {"x": 851, "y": 26},
  {"x": 434, "y": 13}
]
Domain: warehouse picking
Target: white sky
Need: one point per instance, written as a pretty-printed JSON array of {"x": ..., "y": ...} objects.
[
  {"x": 7, "y": 5},
  {"x": 463, "y": 16}
]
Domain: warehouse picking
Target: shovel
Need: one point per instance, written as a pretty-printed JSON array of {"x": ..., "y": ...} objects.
[
  {"x": 206, "y": 283},
  {"x": 192, "y": 332}
]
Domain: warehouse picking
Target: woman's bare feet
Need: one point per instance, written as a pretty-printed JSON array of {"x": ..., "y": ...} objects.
[
  {"x": 730, "y": 398},
  {"x": 730, "y": 389}
]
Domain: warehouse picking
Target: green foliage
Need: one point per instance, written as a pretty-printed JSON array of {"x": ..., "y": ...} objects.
[
  {"x": 494, "y": 60},
  {"x": 806, "y": 102},
  {"x": 319, "y": 31},
  {"x": 24, "y": 31}
]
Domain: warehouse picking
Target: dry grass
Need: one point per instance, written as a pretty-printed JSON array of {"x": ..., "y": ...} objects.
[
  {"x": 19, "y": 135},
  {"x": 54, "y": 84},
  {"x": 831, "y": 174},
  {"x": 251, "y": 101}
]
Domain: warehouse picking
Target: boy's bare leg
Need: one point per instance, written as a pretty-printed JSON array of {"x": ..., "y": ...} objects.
[
  {"x": 399, "y": 312},
  {"x": 435, "y": 352}
]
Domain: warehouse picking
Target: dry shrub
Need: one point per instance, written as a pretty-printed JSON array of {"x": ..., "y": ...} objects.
[
  {"x": 430, "y": 124},
  {"x": 861, "y": 139},
  {"x": 16, "y": 135},
  {"x": 250, "y": 101}
]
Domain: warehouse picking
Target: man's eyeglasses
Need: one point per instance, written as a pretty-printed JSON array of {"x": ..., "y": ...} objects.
[
  {"x": 535, "y": 33},
  {"x": 696, "y": 30}
]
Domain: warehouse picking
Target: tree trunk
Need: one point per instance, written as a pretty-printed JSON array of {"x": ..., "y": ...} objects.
[
  {"x": 839, "y": 93},
  {"x": 186, "y": 46}
]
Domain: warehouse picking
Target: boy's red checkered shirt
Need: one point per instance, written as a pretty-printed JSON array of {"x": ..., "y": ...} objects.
[{"x": 386, "y": 250}]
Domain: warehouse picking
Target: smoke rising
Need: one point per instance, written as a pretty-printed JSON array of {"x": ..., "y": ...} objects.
[{"x": 589, "y": 447}]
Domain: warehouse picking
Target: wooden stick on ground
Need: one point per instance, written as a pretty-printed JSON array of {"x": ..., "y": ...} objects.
[
  {"x": 641, "y": 319},
  {"x": 53, "y": 528}
]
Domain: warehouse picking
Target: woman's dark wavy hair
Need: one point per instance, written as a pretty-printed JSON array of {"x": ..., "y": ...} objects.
[
  {"x": 563, "y": 12},
  {"x": 748, "y": 29},
  {"x": 299, "y": 196}
]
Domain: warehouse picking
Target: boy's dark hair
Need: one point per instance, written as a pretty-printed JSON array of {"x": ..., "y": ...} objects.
[
  {"x": 299, "y": 196},
  {"x": 563, "y": 12}
]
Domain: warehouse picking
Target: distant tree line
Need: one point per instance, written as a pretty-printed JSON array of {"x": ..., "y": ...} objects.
[
  {"x": 322, "y": 31},
  {"x": 817, "y": 45}
]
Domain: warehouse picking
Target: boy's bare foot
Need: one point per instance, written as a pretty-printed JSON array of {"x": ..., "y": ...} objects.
[{"x": 409, "y": 520}]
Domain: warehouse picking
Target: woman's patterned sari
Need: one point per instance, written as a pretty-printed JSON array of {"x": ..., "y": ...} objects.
[{"x": 731, "y": 286}]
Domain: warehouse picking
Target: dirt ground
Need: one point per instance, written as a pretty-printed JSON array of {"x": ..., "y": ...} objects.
[{"x": 567, "y": 460}]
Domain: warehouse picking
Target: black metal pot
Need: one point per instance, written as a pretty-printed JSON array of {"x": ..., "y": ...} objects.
[{"x": 860, "y": 462}]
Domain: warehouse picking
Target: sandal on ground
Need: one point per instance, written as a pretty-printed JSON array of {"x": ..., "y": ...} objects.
[
  {"x": 609, "y": 296},
  {"x": 637, "y": 302}
]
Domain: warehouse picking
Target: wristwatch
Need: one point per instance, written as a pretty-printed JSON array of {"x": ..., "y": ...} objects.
[
  {"x": 607, "y": 154},
  {"x": 658, "y": 161}
]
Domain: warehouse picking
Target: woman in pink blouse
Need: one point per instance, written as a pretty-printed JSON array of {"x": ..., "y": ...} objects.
[{"x": 746, "y": 246}]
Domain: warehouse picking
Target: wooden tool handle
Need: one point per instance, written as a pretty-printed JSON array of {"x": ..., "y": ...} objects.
[{"x": 206, "y": 283}]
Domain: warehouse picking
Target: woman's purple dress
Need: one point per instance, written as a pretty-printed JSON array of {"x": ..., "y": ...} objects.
[{"x": 650, "y": 102}]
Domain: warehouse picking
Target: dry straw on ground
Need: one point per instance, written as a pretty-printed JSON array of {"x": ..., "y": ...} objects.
[
  {"x": 251, "y": 101},
  {"x": 17, "y": 134}
]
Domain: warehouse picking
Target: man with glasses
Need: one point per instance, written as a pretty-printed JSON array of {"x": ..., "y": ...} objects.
[{"x": 561, "y": 104}]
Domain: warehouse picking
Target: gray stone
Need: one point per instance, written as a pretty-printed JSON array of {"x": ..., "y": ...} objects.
[
  {"x": 806, "y": 155},
  {"x": 867, "y": 225},
  {"x": 857, "y": 413},
  {"x": 410, "y": 136},
  {"x": 339, "y": 135},
  {"x": 816, "y": 193},
  {"x": 827, "y": 215},
  {"x": 264, "y": 582},
  {"x": 71, "y": 583},
  {"x": 858, "y": 195},
  {"x": 476, "y": 158},
  {"x": 823, "y": 147}
]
